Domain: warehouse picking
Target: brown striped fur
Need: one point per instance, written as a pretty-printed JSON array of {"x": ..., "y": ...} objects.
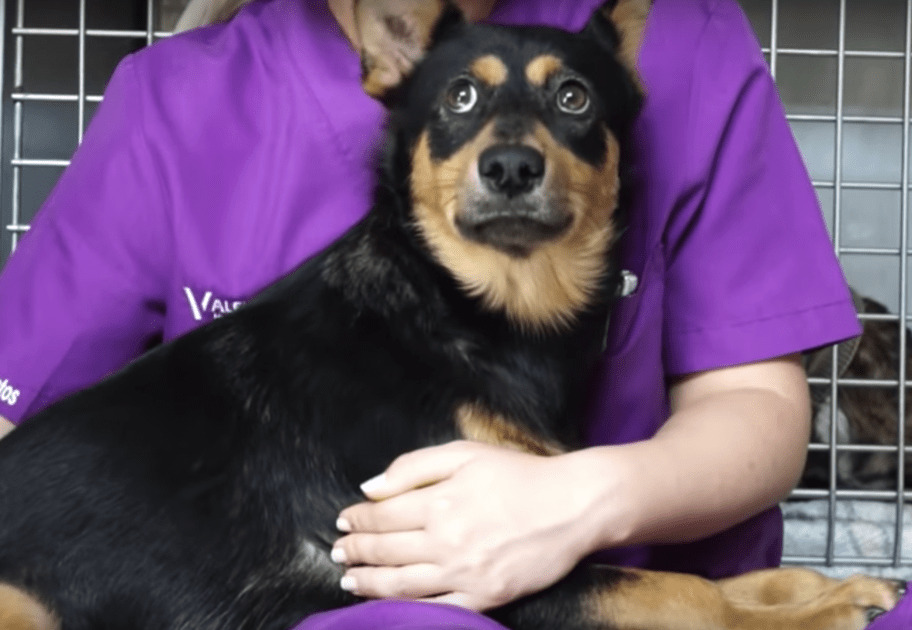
[{"x": 866, "y": 415}]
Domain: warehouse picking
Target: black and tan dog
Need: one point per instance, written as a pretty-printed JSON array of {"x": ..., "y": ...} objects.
[{"x": 198, "y": 488}]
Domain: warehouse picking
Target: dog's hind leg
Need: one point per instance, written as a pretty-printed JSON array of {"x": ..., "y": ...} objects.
[
  {"x": 630, "y": 599},
  {"x": 776, "y": 586},
  {"x": 21, "y": 611},
  {"x": 784, "y": 586}
]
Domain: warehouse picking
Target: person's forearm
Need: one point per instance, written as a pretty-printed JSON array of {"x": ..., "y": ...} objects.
[
  {"x": 733, "y": 446},
  {"x": 719, "y": 460},
  {"x": 5, "y": 426},
  {"x": 725, "y": 454}
]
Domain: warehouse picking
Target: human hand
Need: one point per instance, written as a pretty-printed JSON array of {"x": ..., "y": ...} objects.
[
  {"x": 465, "y": 523},
  {"x": 5, "y": 426}
]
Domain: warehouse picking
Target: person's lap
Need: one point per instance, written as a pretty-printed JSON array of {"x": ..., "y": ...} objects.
[
  {"x": 399, "y": 615},
  {"x": 417, "y": 616}
]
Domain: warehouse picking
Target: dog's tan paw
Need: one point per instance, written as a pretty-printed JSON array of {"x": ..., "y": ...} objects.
[
  {"x": 863, "y": 599},
  {"x": 869, "y": 592}
]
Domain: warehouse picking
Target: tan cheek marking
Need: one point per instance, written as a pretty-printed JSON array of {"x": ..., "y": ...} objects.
[
  {"x": 480, "y": 425},
  {"x": 591, "y": 190},
  {"x": 437, "y": 187},
  {"x": 490, "y": 69},
  {"x": 543, "y": 67},
  {"x": 575, "y": 262}
]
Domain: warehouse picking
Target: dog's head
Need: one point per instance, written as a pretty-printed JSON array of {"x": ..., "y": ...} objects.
[{"x": 510, "y": 139}]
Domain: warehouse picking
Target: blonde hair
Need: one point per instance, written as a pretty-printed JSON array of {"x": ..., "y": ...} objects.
[{"x": 203, "y": 12}]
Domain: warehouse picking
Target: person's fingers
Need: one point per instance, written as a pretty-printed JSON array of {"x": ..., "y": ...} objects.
[
  {"x": 414, "y": 581},
  {"x": 389, "y": 549},
  {"x": 402, "y": 513},
  {"x": 420, "y": 468},
  {"x": 462, "y": 600}
]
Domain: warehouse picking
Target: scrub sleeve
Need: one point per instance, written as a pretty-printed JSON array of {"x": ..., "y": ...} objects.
[
  {"x": 217, "y": 161},
  {"x": 78, "y": 296}
]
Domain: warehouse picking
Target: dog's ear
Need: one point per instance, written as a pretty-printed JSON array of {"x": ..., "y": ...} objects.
[
  {"x": 628, "y": 19},
  {"x": 394, "y": 35}
]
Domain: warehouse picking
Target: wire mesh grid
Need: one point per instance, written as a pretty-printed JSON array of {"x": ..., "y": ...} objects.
[
  {"x": 843, "y": 68},
  {"x": 57, "y": 57}
]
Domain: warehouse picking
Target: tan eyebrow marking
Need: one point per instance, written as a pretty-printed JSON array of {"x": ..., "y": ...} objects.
[
  {"x": 543, "y": 67},
  {"x": 490, "y": 69}
]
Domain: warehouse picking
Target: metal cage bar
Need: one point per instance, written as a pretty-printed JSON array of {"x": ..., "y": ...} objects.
[
  {"x": 903, "y": 287},
  {"x": 16, "y": 226},
  {"x": 837, "y": 233}
]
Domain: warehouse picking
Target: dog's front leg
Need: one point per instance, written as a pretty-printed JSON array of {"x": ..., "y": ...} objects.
[{"x": 608, "y": 598}]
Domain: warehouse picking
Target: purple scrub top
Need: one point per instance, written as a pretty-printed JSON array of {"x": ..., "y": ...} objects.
[{"x": 221, "y": 158}]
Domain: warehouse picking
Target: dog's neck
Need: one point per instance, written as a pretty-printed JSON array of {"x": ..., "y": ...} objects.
[
  {"x": 380, "y": 264},
  {"x": 383, "y": 264}
]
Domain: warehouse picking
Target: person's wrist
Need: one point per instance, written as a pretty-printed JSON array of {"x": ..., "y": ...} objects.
[
  {"x": 605, "y": 510},
  {"x": 5, "y": 426}
]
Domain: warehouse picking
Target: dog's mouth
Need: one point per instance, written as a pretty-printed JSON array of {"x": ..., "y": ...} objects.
[{"x": 515, "y": 227}]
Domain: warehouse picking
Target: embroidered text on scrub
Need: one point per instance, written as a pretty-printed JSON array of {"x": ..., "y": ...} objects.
[{"x": 8, "y": 393}]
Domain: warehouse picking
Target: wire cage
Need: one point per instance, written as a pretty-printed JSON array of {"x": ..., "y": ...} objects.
[
  {"x": 843, "y": 70},
  {"x": 57, "y": 58}
]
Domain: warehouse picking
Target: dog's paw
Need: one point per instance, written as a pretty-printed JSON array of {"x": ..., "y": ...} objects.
[
  {"x": 864, "y": 599},
  {"x": 873, "y": 592}
]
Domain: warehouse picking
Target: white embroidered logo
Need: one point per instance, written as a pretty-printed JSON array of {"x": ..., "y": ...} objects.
[
  {"x": 214, "y": 307},
  {"x": 8, "y": 394}
]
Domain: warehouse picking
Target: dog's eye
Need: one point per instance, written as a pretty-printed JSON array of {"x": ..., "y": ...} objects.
[
  {"x": 461, "y": 97},
  {"x": 573, "y": 98}
]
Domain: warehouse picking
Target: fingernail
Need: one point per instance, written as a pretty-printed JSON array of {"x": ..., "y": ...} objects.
[
  {"x": 348, "y": 583},
  {"x": 343, "y": 525},
  {"x": 338, "y": 555},
  {"x": 374, "y": 485}
]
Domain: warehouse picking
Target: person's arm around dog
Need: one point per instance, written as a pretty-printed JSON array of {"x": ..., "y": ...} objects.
[{"x": 734, "y": 445}]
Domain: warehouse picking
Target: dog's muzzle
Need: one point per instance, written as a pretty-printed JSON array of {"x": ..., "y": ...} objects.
[{"x": 512, "y": 211}]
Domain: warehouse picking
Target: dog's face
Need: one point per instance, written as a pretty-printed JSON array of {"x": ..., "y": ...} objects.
[{"x": 513, "y": 138}]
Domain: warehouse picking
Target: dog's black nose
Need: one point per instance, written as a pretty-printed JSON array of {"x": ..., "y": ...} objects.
[{"x": 511, "y": 169}]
